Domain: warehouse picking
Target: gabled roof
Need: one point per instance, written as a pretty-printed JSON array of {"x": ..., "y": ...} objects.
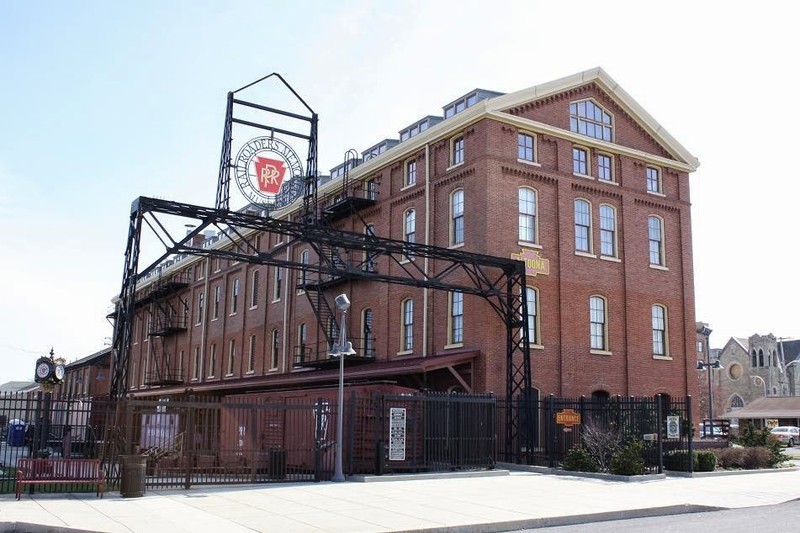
[
  {"x": 778, "y": 407},
  {"x": 19, "y": 386},
  {"x": 599, "y": 77}
]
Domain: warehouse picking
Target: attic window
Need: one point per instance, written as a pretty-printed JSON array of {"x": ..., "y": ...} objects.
[{"x": 588, "y": 118}]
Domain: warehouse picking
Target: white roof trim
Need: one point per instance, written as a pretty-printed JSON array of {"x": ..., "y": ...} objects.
[{"x": 612, "y": 88}]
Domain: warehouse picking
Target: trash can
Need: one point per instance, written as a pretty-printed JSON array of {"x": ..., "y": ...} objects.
[
  {"x": 277, "y": 463},
  {"x": 16, "y": 433},
  {"x": 133, "y": 475}
]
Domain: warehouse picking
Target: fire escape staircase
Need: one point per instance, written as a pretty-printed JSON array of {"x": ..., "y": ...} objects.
[
  {"x": 351, "y": 199},
  {"x": 168, "y": 314}
]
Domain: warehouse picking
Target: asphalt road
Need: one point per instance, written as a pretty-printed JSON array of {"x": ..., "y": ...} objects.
[{"x": 783, "y": 517}]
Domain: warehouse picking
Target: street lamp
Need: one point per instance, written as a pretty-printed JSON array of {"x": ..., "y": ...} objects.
[
  {"x": 340, "y": 350},
  {"x": 705, "y": 331}
]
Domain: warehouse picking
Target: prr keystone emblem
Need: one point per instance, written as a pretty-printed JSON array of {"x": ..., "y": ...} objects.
[
  {"x": 534, "y": 262},
  {"x": 261, "y": 168}
]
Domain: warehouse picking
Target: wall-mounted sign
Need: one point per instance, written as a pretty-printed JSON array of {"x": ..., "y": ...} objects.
[
  {"x": 263, "y": 166},
  {"x": 673, "y": 427},
  {"x": 534, "y": 262},
  {"x": 397, "y": 434},
  {"x": 568, "y": 417}
]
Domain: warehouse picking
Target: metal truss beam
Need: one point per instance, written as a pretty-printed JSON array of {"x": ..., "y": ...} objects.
[{"x": 500, "y": 281}]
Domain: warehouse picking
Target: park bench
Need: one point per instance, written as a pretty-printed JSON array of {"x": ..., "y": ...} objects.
[{"x": 60, "y": 471}]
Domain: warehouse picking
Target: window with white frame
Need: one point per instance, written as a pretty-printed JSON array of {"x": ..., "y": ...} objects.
[
  {"x": 532, "y": 301},
  {"x": 370, "y": 259},
  {"x": 254, "y": 288},
  {"x": 608, "y": 231},
  {"x": 231, "y": 357},
  {"x": 407, "y": 340},
  {"x": 655, "y": 231},
  {"x": 302, "y": 339},
  {"x": 580, "y": 161},
  {"x": 604, "y": 168},
  {"x": 526, "y": 147},
  {"x": 588, "y": 118},
  {"x": 598, "y": 325},
  {"x": 583, "y": 226},
  {"x": 527, "y": 214},
  {"x": 456, "y": 317},
  {"x": 368, "y": 345},
  {"x": 653, "y": 180},
  {"x": 196, "y": 363},
  {"x": 273, "y": 349},
  {"x": 235, "y": 296},
  {"x": 660, "y": 346},
  {"x": 411, "y": 173},
  {"x": 457, "y": 217},
  {"x": 251, "y": 355},
  {"x": 200, "y": 305},
  {"x": 304, "y": 260},
  {"x": 410, "y": 228},
  {"x": 457, "y": 151},
  {"x": 372, "y": 189},
  {"x": 277, "y": 286},
  {"x": 212, "y": 361},
  {"x": 217, "y": 298}
]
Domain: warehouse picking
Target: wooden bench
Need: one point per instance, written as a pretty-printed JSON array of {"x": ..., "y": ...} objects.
[{"x": 60, "y": 471}]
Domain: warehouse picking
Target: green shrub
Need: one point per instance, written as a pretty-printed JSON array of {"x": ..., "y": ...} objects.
[
  {"x": 678, "y": 461},
  {"x": 579, "y": 460},
  {"x": 629, "y": 461},
  {"x": 705, "y": 461},
  {"x": 752, "y": 437}
]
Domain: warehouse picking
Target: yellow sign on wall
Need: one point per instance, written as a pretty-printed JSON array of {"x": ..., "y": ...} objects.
[
  {"x": 568, "y": 417},
  {"x": 534, "y": 262}
]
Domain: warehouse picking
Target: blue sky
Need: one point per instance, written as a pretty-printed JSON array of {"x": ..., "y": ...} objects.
[{"x": 102, "y": 102}]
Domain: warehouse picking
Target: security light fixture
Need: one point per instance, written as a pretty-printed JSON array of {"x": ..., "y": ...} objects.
[{"x": 342, "y": 302}]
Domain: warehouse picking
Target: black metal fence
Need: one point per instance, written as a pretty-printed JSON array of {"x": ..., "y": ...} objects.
[
  {"x": 551, "y": 426},
  {"x": 190, "y": 441}
]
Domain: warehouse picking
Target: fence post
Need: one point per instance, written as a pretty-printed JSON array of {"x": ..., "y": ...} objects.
[
  {"x": 689, "y": 432},
  {"x": 550, "y": 431},
  {"x": 351, "y": 431},
  {"x": 377, "y": 426},
  {"x": 318, "y": 406},
  {"x": 660, "y": 433},
  {"x": 190, "y": 446}
]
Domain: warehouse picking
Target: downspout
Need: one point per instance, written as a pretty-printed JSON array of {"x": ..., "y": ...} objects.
[
  {"x": 204, "y": 320},
  {"x": 425, "y": 291},
  {"x": 285, "y": 297}
]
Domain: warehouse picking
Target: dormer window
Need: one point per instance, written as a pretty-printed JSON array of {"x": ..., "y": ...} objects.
[{"x": 588, "y": 118}]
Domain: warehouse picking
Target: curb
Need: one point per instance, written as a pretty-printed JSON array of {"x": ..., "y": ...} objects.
[
  {"x": 427, "y": 476},
  {"x": 534, "y": 523}
]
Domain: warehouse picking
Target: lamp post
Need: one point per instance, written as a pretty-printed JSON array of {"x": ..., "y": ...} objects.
[
  {"x": 705, "y": 331},
  {"x": 341, "y": 349}
]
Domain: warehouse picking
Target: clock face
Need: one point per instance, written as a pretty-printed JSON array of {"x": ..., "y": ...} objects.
[
  {"x": 43, "y": 370},
  {"x": 59, "y": 372}
]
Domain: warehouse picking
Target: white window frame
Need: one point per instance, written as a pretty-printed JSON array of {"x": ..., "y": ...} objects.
[
  {"x": 587, "y": 226},
  {"x": 660, "y": 331},
  {"x": 527, "y": 215},
  {"x": 608, "y": 230},
  {"x": 456, "y": 217},
  {"x": 659, "y": 250},
  {"x": 602, "y": 324}
]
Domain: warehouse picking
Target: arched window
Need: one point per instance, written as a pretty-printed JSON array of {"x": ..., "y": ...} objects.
[
  {"x": 302, "y": 334},
  {"x": 410, "y": 228},
  {"x": 583, "y": 226},
  {"x": 273, "y": 356},
  {"x": 532, "y": 301},
  {"x": 736, "y": 402},
  {"x": 655, "y": 231},
  {"x": 659, "y": 321},
  {"x": 760, "y": 357},
  {"x": 598, "y": 326},
  {"x": 527, "y": 214},
  {"x": 754, "y": 359},
  {"x": 608, "y": 230},
  {"x": 457, "y": 217},
  {"x": 304, "y": 273},
  {"x": 588, "y": 118},
  {"x": 407, "y": 338},
  {"x": 456, "y": 329}
]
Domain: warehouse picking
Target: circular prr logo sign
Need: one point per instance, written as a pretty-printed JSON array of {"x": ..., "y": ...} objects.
[{"x": 263, "y": 166}]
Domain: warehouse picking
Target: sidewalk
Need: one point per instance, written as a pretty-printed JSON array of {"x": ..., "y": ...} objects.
[{"x": 498, "y": 501}]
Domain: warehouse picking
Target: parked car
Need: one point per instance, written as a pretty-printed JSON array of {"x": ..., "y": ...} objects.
[{"x": 788, "y": 435}]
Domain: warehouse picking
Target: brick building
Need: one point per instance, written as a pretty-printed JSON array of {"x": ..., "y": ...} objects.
[{"x": 571, "y": 176}]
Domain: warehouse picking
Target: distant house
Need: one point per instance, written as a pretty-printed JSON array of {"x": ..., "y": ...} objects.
[
  {"x": 11, "y": 405},
  {"x": 87, "y": 377}
]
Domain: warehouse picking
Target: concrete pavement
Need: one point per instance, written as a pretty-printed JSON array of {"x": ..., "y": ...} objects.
[{"x": 498, "y": 501}]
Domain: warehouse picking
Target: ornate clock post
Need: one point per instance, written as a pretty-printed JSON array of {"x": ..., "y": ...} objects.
[{"x": 50, "y": 372}]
